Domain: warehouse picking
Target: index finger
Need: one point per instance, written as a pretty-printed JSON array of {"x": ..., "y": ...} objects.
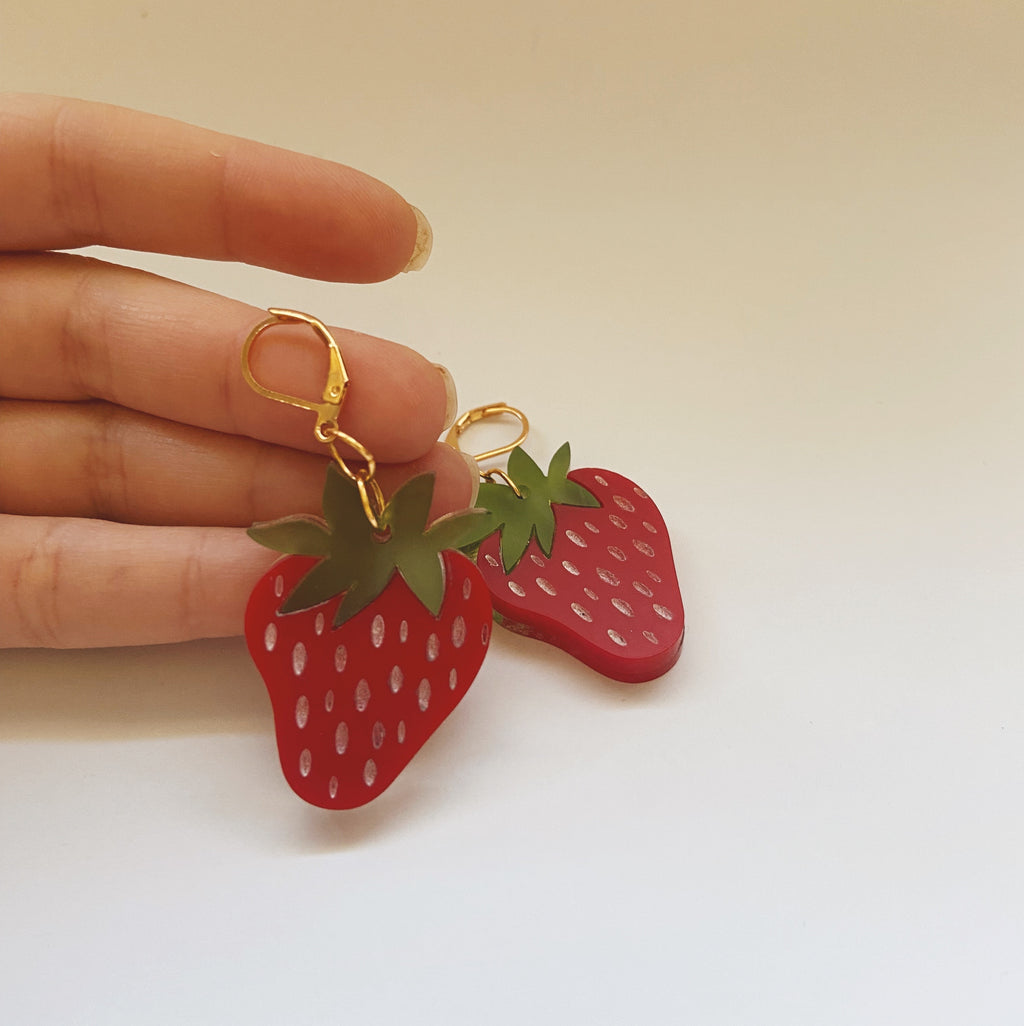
[{"x": 76, "y": 174}]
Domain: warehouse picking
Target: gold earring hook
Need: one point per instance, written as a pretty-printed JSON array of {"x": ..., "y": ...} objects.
[
  {"x": 337, "y": 377},
  {"x": 480, "y": 413},
  {"x": 327, "y": 410}
]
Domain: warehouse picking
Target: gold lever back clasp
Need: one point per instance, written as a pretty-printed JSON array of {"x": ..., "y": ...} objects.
[
  {"x": 478, "y": 414},
  {"x": 327, "y": 410},
  {"x": 337, "y": 377}
]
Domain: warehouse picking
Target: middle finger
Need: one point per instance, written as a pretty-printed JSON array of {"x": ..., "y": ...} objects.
[
  {"x": 77, "y": 328},
  {"x": 95, "y": 460}
]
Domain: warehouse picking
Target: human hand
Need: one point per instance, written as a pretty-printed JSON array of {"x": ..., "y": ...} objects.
[{"x": 132, "y": 453}]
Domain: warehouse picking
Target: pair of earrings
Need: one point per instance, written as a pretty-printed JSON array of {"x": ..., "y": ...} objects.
[{"x": 372, "y": 628}]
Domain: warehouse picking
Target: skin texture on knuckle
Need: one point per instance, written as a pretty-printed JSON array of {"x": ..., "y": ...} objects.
[
  {"x": 70, "y": 583},
  {"x": 30, "y": 611}
]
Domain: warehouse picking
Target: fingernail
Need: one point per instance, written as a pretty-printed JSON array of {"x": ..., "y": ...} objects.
[
  {"x": 424, "y": 242},
  {"x": 475, "y": 469},
  {"x": 451, "y": 396}
]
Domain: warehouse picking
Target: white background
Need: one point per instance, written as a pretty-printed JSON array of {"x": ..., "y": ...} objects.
[{"x": 765, "y": 258}]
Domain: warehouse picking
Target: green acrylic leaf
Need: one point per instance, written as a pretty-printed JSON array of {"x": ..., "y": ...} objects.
[
  {"x": 298, "y": 535},
  {"x": 524, "y": 471},
  {"x": 343, "y": 511},
  {"x": 358, "y": 563},
  {"x": 410, "y": 506},
  {"x": 559, "y": 465},
  {"x": 561, "y": 489},
  {"x": 342, "y": 505},
  {"x": 319, "y": 585},
  {"x": 500, "y": 501},
  {"x": 461, "y": 530},
  {"x": 571, "y": 493},
  {"x": 515, "y": 537},
  {"x": 426, "y": 579},
  {"x": 545, "y": 531},
  {"x": 371, "y": 583},
  {"x": 521, "y": 517}
]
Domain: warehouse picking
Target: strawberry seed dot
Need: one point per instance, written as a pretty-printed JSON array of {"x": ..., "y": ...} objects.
[
  {"x": 340, "y": 658},
  {"x": 617, "y": 521},
  {"x": 341, "y": 738},
  {"x": 329, "y": 701},
  {"x": 600, "y": 480},
  {"x": 305, "y": 762},
  {"x": 616, "y": 553},
  {"x": 377, "y": 631},
  {"x": 318, "y": 624},
  {"x": 377, "y": 737},
  {"x": 403, "y": 631},
  {"x": 653, "y": 576},
  {"x": 396, "y": 678},
  {"x": 491, "y": 561},
  {"x": 485, "y": 633},
  {"x": 648, "y": 526},
  {"x": 453, "y": 679},
  {"x": 546, "y": 586},
  {"x": 517, "y": 589},
  {"x": 640, "y": 492},
  {"x": 536, "y": 560},
  {"x": 581, "y": 612},
  {"x": 278, "y": 585},
  {"x": 608, "y": 577},
  {"x": 433, "y": 647},
  {"x": 623, "y": 503},
  {"x": 302, "y": 712},
  {"x": 591, "y": 527},
  {"x": 590, "y": 593},
  {"x": 401, "y": 732},
  {"x": 576, "y": 539},
  {"x": 299, "y": 658},
  {"x": 643, "y": 589},
  {"x": 617, "y": 638},
  {"x": 458, "y": 632},
  {"x": 642, "y": 547},
  {"x": 665, "y": 614},
  {"x": 423, "y": 694},
  {"x": 369, "y": 772},
  {"x": 270, "y": 637},
  {"x": 467, "y": 588},
  {"x": 623, "y": 607},
  {"x": 332, "y": 787},
  {"x": 571, "y": 567},
  {"x": 362, "y": 697},
  {"x": 651, "y": 637}
]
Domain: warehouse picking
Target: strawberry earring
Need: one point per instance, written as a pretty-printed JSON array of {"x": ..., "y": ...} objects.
[
  {"x": 580, "y": 559},
  {"x": 370, "y": 630}
]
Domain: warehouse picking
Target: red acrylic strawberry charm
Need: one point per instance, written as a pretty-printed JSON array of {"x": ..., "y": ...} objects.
[
  {"x": 369, "y": 632},
  {"x": 366, "y": 640},
  {"x": 581, "y": 560}
]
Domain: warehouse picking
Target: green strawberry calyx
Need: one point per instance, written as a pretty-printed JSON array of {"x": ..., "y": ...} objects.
[
  {"x": 531, "y": 513},
  {"x": 360, "y": 562}
]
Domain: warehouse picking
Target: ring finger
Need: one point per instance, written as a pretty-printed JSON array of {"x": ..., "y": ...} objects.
[{"x": 102, "y": 461}]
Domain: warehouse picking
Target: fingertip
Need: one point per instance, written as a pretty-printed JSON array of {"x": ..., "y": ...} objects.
[
  {"x": 398, "y": 401},
  {"x": 339, "y": 224},
  {"x": 474, "y": 470},
  {"x": 424, "y": 242}
]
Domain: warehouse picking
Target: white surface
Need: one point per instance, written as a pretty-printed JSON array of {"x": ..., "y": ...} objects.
[{"x": 767, "y": 259}]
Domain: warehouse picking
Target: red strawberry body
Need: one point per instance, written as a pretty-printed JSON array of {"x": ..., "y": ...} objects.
[
  {"x": 607, "y": 593},
  {"x": 353, "y": 704}
]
